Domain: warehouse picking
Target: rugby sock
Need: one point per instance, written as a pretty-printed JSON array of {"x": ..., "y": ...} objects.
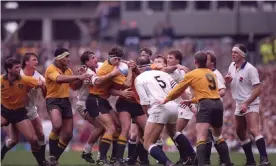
[
  {"x": 114, "y": 144},
  {"x": 121, "y": 145},
  {"x": 131, "y": 147},
  {"x": 61, "y": 147},
  {"x": 260, "y": 143},
  {"x": 184, "y": 144},
  {"x": 87, "y": 148},
  {"x": 222, "y": 149},
  {"x": 159, "y": 143},
  {"x": 42, "y": 149},
  {"x": 247, "y": 147},
  {"x": 158, "y": 154},
  {"x": 209, "y": 143},
  {"x": 38, "y": 156},
  {"x": 53, "y": 143},
  {"x": 200, "y": 152},
  {"x": 6, "y": 147},
  {"x": 143, "y": 153},
  {"x": 104, "y": 146}
]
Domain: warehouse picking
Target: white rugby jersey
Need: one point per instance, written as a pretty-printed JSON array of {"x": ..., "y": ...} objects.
[
  {"x": 178, "y": 75},
  {"x": 221, "y": 81},
  {"x": 83, "y": 92},
  {"x": 153, "y": 86},
  {"x": 243, "y": 80},
  {"x": 34, "y": 91}
]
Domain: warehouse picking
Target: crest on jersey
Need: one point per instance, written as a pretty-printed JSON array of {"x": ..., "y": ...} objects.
[{"x": 20, "y": 86}]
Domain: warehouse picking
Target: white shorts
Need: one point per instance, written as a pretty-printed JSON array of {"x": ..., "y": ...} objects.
[
  {"x": 32, "y": 112},
  {"x": 185, "y": 113},
  {"x": 80, "y": 107},
  {"x": 251, "y": 108},
  {"x": 164, "y": 114}
]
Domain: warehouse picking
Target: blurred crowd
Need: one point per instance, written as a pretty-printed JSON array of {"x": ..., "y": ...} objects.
[{"x": 162, "y": 42}]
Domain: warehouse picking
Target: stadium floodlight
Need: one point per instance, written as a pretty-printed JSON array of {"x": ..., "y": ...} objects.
[
  {"x": 11, "y": 5},
  {"x": 11, "y": 27}
]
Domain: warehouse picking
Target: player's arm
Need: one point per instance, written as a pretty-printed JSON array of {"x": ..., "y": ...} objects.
[
  {"x": 97, "y": 80},
  {"x": 179, "y": 88},
  {"x": 35, "y": 83},
  {"x": 221, "y": 88},
  {"x": 143, "y": 96},
  {"x": 254, "y": 78},
  {"x": 170, "y": 69},
  {"x": 127, "y": 93}
]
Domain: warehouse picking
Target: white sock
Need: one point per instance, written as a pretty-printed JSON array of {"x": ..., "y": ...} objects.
[
  {"x": 8, "y": 143},
  {"x": 87, "y": 148},
  {"x": 41, "y": 143}
]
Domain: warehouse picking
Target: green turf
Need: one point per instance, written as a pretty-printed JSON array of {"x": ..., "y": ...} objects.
[{"x": 73, "y": 158}]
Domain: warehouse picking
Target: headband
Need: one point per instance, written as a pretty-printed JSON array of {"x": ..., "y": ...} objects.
[
  {"x": 238, "y": 50},
  {"x": 61, "y": 56}
]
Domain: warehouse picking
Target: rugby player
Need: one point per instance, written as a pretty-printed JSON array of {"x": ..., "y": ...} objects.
[
  {"x": 153, "y": 86},
  {"x": 97, "y": 104},
  {"x": 59, "y": 78},
  {"x": 14, "y": 91},
  {"x": 211, "y": 64},
  {"x": 204, "y": 84},
  {"x": 246, "y": 88},
  {"x": 29, "y": 64},
  {"x": 90, "y": 65}
]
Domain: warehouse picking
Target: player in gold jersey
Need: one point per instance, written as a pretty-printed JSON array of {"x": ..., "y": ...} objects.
[
  {"x": 14, "y": 90},
  {"x": 210, "y": 112},
  {"x": 59, "y": 79}
]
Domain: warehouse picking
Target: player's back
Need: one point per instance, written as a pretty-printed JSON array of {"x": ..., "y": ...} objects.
[
  {"x": 204, "y": 83},
  {"x": 157, "y": 84}
]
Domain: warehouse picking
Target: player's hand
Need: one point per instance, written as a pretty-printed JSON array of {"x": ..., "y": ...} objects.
[
  {"x": 184, "y": 68},
  {"x": 186, "y": 102},
  {"x": 85, "y": 76},
  {"x": 40, "y": 82},
  {"x": 131, "y": 64},
  {"x": 228, "y": 78},
  {"x": 82, "y": 70},
  {"x": 115, "y": 72},
  {"x": 243, "y": 107},
  {"x": 194, "y": 110},
  {"x": 127, "y": 93}
]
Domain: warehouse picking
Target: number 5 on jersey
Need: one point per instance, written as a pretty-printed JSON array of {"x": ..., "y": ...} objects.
[{"x": 162, "y": 84}]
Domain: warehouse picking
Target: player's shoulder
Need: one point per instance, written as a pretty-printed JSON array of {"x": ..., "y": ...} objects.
[{"x": 249, "y": 66}]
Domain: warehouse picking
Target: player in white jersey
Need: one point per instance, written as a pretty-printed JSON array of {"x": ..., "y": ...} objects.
[
  {"x": 211, "y": 64},
  {"x": 153, "y": 86},
  {"x": 245, "y": 88},
  {"x": 90, "y": 66},
  {"x": 185, "y": 114},
  {"x": 29, "y": 65}
]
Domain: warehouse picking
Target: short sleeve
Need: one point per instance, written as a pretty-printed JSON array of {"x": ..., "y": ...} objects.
[
  {"x": 144, "y": 99},
  {"x": 254, "y": 76},
  {"x": 220, "y": 85},
  {"x": 52, "y": 74}
]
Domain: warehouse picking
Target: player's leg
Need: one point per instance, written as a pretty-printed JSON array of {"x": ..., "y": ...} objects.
[
  {"x": 184, "y": 116},
  {"x": 97, "y": 131},
  {"x": 26, "y": 128},
  {"x": 4, "y": 121},
  {"x": 133, "y": 134},
  {"x": 252, "y": 119},
  {"x": 117, "y": 123},
  {"x": 151, "y": 135},
  {"x": 11, "y": 141},
  {"x": 209, "y": 144},
  {"x": 242, "y": 133},
  {"x": 141, "y": 121},
  {"x": 37, "y": 124}
]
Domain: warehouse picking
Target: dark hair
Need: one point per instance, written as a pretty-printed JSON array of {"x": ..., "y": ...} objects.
[
  {"x": 9, "y": 63},
  {"x": 147, "y": 50},
  {"x": 85, "y": 57},
  {"x": 241, "y": 47},
  {"x": 142, "y": 60},
  {"x": 212, "y": 57},
  {"x": 177, "y": 54},
  {"x": 201, "y": 59},
  {"x": 116, "y": 52},
  {"x": 60, "y": 51},
  {"x": 27, "y": 57},
  {"x": 160, "y": 56}
]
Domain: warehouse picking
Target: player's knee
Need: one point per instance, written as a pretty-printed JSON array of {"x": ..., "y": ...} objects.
[
  {"x": 33, "y": 140},
  {"x": 255, "y": 132},
  {"x": 110, "y": 129}
]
